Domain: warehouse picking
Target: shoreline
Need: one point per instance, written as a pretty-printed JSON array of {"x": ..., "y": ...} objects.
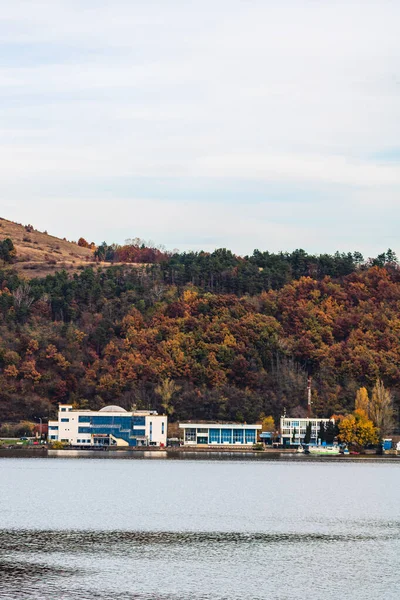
[{"x": 185, "y": 453}]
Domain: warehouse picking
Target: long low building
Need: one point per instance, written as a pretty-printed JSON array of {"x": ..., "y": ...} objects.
[
  {"x": 110, "y": 426},
  {"x": 219, "y": 434}
]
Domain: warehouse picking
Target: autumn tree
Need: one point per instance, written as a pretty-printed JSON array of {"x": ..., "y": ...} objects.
[
  {"x": 268, "y": 424},
  {"x": 362, "y": 400},
  {"x": 166, "y": 390},
  {"x": 381, "y": 408},
  {"x": 83, "y": 243},
  {"x": 357, "y": 430}
]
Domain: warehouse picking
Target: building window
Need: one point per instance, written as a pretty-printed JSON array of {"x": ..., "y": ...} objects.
[
  {"x": 250, "y": 436},
  {"x": 162, "y": 428},
  {"x": 295, "y": 424},
  {"x": 63, "y": 410},
  {"x": 141, "y": 421},
  {"x": 64, "y": 440},
  {"x": 190, "y": 434},
  {"x": 53, "y": 427},
  {"x": 238, "y": 436},
  {"x": 214, "y": 436},
  {"x": 84, "y": 419},
  {"x": 140, "y": 432},
  {"x": 202, "y": 430},
  {"x": 226, "y": 436},
  {"x": 64, "y": 420},
  {"x": 84, "y": 430}
]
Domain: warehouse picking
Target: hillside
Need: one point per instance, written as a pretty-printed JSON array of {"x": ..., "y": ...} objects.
[
  {"x": 124, "y": 336},
  {"x": 199, "y": 335},
  {"x": 40, "y": 254}
]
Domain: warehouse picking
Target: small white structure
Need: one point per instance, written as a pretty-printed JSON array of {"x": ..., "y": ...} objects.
[
  {"x": 110, "y": 426},
  {"x": 219, "y": 434},
  {"x": 293, "y": 430}
]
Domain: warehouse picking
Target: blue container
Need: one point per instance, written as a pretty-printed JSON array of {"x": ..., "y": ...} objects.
[{"x": 387, "y": 444}]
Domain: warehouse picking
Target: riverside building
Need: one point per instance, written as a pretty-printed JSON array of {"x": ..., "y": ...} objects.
[
  {"x": 293, "y": 431},
  {"x": 219, "y": 434},
  {"x": 110, "y": 426}
]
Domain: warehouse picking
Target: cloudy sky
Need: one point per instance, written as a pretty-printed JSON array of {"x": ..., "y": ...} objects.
[{"x": 271, "y": 124}]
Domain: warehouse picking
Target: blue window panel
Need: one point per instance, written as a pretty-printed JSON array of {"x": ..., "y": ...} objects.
[
  {"x": 226, "y": 436},
  {"x": 84, "y": 419},
  {"x": 214, "y": 436},
  {"x": 123, "y": 422},
  {"x": 295, "y": 423},
  {"x": 250, "y": 436},
  {"x": 84, "y": 430},
  {"x": 238, "y": 436},
  {"x": 162, "y": 428},
  {"x": 139, "y": 432},
  {"x": 141, "y": 421},
  {"x": 64, "y": 420},
  {"x": 53, "y": 437},
  {"x": 63, "y": 410},
  {"x": 53, "y": 427}
]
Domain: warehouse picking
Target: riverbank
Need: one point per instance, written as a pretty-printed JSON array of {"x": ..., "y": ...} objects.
[{"x": 184, "y": 453}]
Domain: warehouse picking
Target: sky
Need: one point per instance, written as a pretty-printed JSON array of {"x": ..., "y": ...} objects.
[{"x": 198, "y": 124}]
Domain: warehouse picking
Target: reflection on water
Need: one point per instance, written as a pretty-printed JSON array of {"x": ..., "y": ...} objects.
[{"x": 189, "y": 530}]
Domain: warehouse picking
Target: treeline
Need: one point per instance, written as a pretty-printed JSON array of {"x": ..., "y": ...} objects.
[
  {"x": 222, "y": 271},
  {"x": 130, "y": 336}
]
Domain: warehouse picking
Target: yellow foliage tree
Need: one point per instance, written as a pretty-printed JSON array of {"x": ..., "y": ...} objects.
[
  {"x": 357, "y": 430},
  {"x": 268, "y": 424},
  {"x": 362, "y": 400}
]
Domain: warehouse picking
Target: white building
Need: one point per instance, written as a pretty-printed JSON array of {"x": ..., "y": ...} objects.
[
  {"x": 219, "y": 434},
  {"x": 293, "y": 430},
  {"x": 110, "y": 426}
]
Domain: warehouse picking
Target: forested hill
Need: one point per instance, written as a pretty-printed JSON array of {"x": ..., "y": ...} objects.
[{"x": 200, "y": 342}]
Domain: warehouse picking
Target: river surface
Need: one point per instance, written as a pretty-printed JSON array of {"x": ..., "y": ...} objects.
[{"x": 189, "y": 530}]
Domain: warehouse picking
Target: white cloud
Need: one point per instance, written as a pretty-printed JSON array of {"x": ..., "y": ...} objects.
[{"x": 288, "y": 93}]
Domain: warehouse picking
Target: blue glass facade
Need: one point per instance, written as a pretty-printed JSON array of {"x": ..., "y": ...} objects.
[
  {"x": 220, "y": 434},
  {"x": 119, "y": 426}
]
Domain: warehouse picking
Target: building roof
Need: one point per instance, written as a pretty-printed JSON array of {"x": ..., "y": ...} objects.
[
  {"x": 219, "y": 426},
  {"x": 113, "y": 408}
]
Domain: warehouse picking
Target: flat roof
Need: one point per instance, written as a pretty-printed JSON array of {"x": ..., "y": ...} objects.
[{"x": 219, "y": 426}]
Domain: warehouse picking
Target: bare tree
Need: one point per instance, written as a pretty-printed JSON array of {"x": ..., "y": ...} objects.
[
  {"x": 381, "y": 408},
  {"x": 23, "y": 296}
]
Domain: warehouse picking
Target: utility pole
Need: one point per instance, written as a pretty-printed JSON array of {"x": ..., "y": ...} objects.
[{"x": 309, "y": 396}]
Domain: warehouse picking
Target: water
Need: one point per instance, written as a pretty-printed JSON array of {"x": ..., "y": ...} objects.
[{"x": 188, "y": 529}]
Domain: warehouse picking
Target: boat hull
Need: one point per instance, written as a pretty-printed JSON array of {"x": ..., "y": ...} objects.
[{"x": 324, "y": 450}]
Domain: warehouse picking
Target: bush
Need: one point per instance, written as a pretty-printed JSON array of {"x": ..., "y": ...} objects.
[
  {"x": 57, "y": 445},
  {"x": 258, "y": 447}
]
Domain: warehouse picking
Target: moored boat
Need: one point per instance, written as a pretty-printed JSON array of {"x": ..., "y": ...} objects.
[{"x": 324, "y": 450}]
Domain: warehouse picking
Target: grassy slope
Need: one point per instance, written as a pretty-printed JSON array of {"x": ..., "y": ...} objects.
[{"x": 40, "y": 254}]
